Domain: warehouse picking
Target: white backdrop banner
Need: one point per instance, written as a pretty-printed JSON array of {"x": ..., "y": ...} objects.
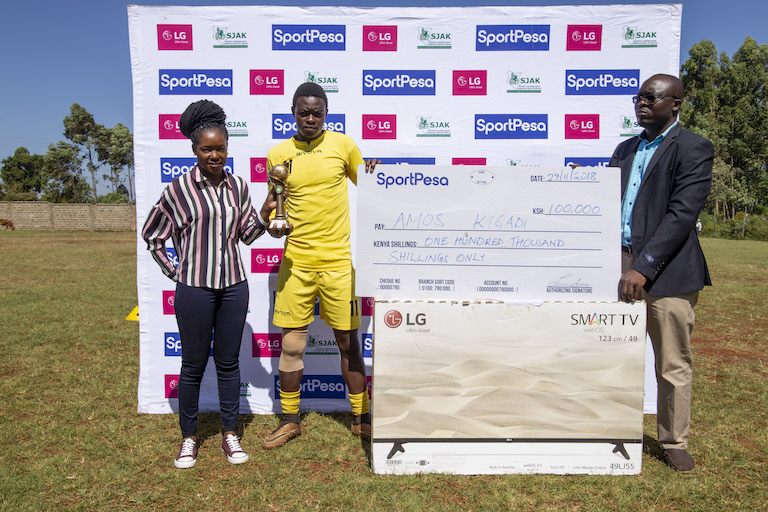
[{"x": 488, "y": 86}]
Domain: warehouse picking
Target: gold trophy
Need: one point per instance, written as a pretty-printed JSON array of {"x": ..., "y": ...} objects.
[{"x": 277, "y": 176}]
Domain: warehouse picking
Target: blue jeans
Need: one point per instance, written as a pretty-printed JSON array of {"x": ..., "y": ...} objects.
[{"x": 200, "y": 312}]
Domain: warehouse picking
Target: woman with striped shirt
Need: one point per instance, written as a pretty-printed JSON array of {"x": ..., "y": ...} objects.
[{"x": 205, "y": 213}]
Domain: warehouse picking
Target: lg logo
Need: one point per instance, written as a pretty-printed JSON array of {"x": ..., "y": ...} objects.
[{"x": 393, "y": 319}]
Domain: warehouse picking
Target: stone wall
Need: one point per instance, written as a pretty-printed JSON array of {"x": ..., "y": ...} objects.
[{"x": 69, "y": 216}]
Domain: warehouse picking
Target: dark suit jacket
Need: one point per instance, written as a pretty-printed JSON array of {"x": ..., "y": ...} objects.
[{"x": 665, "y": 245}]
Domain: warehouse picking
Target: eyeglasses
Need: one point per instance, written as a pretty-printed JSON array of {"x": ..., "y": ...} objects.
[{"x": 650, "y": 99}]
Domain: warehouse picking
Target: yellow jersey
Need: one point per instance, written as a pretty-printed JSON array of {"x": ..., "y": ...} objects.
[{"x": 317, "y": 201}]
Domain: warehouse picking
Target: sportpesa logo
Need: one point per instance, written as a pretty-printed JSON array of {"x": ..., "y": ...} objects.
[
  {"x": 504, "y": 38},
  {"x": 171, "y": 168},
  {"x": 309, "y": 37},
  {"x": 413, "y": 179},
  {"x": 317, "y": 386},
  {"x": 284, "y": 125},
  {"x": 584, "y": 82},
  {"x": 388, "y": 82},
  {"x": 511, "y": 126},
  {"x": 195, "y": 81}
]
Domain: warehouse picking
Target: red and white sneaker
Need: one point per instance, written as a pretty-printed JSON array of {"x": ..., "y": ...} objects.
[
  {"x": 230, "y": 445},
  {"x": 187, "y": 455}
]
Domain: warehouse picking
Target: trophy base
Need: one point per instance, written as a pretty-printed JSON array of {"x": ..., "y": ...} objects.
[{"x": 278, "y": 224}]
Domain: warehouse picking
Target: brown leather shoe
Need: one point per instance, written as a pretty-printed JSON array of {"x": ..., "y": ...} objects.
[
  {"x": 679, "y": 460},
  {"x": 288, "y": 429},
  {"x": 361, "y": 426}
]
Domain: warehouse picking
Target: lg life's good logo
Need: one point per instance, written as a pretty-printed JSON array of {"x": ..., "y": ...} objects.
[
  {"x": 635, "y": 37},
  {"x": 171, "y": 386},
  {"x": 267, "y": 81},
  {"x": 582, "y": 126},
  {"x": 507, "y": 38},
  {"x": 587, "y": 161},
  {"x": 511, "y": 126},
  {"x": 413, "y": 322},
  {"x": 379, "y": 126},
  {"x": 432, "y": 128},
  {"x": 584, "y": 38},
  {"x": 468, "y": 161},
  {"x": 284, "y": 125},
  {"x": 309, "y": 37},
  {"x": 328, "y": 83},
  {"x": 470, "y": 82},
  {"x": 169, "y": 127},
  {"x": 318, "y": 386},
  {"x": 266, "y": 261},
  {"x": 366, "y": 306},
  {"x": 395, "y": 82},
  {"x": 259, "y": 170},
  {"x": 174, "y": 37},
  {"x": 379, "y": 38},
  {"x": 169, "y": 299},
  {"x": 429, "y": 39},
  {"x": 225, "y": 38},
  {"x": 518, "y": 82},
  {"x": 172, "y": 168},
  {"x": 585, "y": 82},
  {"x": 267, "y": 344},
  {"x": 195, "y": 81}
]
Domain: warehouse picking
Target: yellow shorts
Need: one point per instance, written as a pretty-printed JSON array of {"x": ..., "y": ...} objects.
[{"x": 297, "y": 290}]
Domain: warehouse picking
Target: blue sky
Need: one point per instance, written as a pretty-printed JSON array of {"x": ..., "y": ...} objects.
[{"x": 59, "y": 52}]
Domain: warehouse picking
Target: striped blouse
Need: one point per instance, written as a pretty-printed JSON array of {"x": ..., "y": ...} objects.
[{"x": 205, "y": 224}]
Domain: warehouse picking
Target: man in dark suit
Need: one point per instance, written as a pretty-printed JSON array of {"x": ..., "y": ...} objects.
[{"x": 666, "y": 173}]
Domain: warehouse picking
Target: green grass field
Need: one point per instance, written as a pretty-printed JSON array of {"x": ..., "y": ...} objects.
[{"x": 71, "y": 439}]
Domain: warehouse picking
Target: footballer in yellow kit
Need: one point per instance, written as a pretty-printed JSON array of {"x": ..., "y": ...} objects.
[{"x": 317, "y": 261}]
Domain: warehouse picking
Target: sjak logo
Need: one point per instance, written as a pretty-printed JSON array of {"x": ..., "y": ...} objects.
[
  {"x": 328, "y": 83},
  {"x": 224, "y": 38},
  {"x": 637, "y": 38},
  {"x": 431, "y": 128},
  {"x": 628, "y": 127},
  {"x": 430, "y": 39},
  {"x": 518, "y": 82}
]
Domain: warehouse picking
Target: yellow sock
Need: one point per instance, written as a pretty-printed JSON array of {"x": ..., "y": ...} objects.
[
  {"x": 289, "y": 401},
  {"x": 359, "y": 402}
]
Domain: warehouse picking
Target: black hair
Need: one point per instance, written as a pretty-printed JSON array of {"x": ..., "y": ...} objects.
[
  {"x": 200, "y": 116},
  {"x": 310, "y": 89}
]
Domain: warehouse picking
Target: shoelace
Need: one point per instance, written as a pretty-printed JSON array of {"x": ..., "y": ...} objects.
[
  {"x": 234, "y": 443},
  {"x": 187, "y": 448}
]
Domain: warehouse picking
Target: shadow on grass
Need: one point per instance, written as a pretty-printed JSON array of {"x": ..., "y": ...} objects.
[{"x": 652, "y": 448}]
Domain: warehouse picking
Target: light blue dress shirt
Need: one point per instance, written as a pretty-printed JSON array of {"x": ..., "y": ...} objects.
[{"x": 640, "y": 163}]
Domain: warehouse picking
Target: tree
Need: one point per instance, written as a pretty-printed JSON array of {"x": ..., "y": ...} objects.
[
  {"x": 726, "y": 102},
  {"x": 63, "y": 170},
  {"x": 115, "y": 149},
  {"x": 82, "y": 130},
  {"x": 22, "y": 175}
]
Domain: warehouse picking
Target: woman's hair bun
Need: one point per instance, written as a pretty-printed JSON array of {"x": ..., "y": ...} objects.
[{"x": 200, "y": 113}]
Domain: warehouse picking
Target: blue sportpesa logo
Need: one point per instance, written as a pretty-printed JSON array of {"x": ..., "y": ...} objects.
[
  {"x": 172, "y": 343},
  {"x": 195, "y": 81},
  {"x": 584, "y": 82},
  {"x": 408, "y": 160},
  {"x": 505, "y": 38},
  {"x": 172, "y": 168},
  {"x": 394, "y": 82},
  {"x": 284, "y": 125},
  {"x": 318, "y": 386},
  {"x": 588, "y": 161},
  {"x": 309, "y": 37},
  {"x": 511, "y": 126},
  {"x": 411, "y": 180}
]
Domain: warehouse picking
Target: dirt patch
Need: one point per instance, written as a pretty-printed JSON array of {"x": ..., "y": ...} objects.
[{"x": 713, "y": 348}]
